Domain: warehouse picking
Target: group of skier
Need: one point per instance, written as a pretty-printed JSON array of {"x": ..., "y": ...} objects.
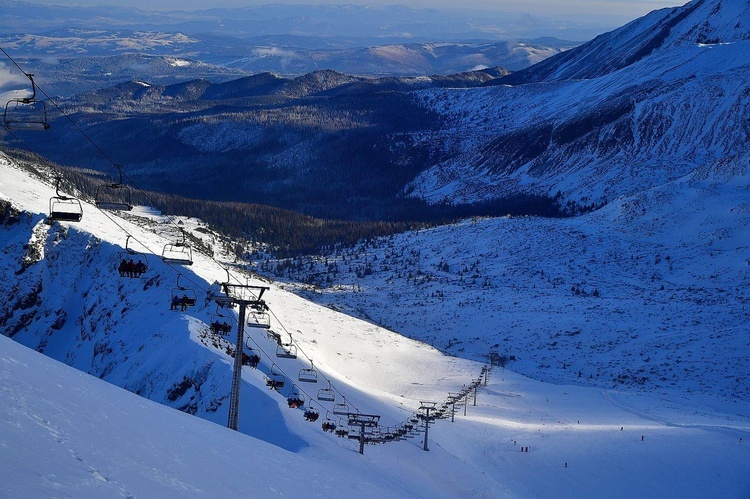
[
  {"x": 129, "y": 268},
  {"x": 181, "y": 302}
]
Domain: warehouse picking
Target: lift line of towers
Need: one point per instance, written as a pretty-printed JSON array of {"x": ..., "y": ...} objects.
[{"x": 30, "y": 113}]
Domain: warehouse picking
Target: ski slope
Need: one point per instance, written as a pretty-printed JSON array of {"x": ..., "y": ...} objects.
[{"x": 68, "y": 434}]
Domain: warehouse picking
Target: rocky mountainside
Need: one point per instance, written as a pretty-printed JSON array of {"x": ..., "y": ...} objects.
[
  {"x": 703, "y": 22},
  {"x": 645, "y": 104}
]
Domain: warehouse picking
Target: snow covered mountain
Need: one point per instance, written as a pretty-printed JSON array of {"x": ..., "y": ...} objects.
[
  {"x": 623, "y": 331},
  {"x": 67, "y": 300},
  {"x": 633, "y": 109}
]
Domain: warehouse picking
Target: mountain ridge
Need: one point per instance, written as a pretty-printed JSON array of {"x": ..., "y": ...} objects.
[{"x": 387, "y": 147}]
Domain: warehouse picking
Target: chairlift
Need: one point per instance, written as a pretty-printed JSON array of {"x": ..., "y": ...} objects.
[
  {"x": 342, "y": 408},
  {"x": 114, "y": 196},
  {"x": 328, "y": 425},
  {"x": 308, "y": 375},
  {"x": 218, "y": 293},
  {"x": 220, "y": 325},
  {"x": 182, "y": 297},
  {"x": 64, "y": 208},
  {"x": 26, "y": 113},
  {"x": 311, "y": 414},
  {"x": 342, "y": 430},
  {"x": 250, "y": 358},
  {"x": 258, "y": 319},
  {"x": 273, "y": 336},
  {"x": 178, "y": 252},
  {"x": 326, "y": 394},
  {"x": 274, "y": 379},
  {"x": 258, "y": 316},
  {"x": 295, "y": 400},
  {"x": 353, "y": 434},
  {"x": 287, "y": 350},
  {"x": 132, "y": 263}
]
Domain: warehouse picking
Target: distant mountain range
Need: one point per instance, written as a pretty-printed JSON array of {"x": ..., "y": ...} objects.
[
  {"x": 69, "y": 62},
  {"x": 313, "y": 26},
  {"x": 651, "y": 102},
  {"x": 75, "y": 49}
]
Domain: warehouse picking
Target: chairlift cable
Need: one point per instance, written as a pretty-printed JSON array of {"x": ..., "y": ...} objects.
[
  {"x": 309, "y": 359},
  {"x": 281, "y": 371},
  {"x": 169, "y": 218},
  {"x": 46, "y": 162},
  {"x": 176, "y": 268},
  {"x": 90, "y": 140}
]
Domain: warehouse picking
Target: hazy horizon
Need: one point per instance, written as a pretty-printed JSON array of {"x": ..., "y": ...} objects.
[{"x": 585, "y": 10}]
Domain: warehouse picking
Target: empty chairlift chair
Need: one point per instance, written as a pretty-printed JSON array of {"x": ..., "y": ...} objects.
[
  {"x": 308, "y": 375},
  {"x": 114, "y": 196},
  {"x": 258, "y": 316},
  {"x": 178, "y": 252},
  {"x": 287, "y": 350},
  {"x": 326, "y": 394},
  {"x": 26, "y": 113},
  {"x": 342, "y": 409},
  {"x": 218, "y": 294},
  {"x": 64, "y": 208}
]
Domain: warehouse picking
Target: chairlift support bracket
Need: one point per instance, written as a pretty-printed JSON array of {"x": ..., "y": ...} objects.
[{"x": 363, "y": 421}]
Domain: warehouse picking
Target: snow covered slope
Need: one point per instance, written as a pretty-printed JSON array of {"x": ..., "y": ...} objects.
[
  {"x": 66, "y": 434},
  {"x": 649, "y": 292},
  {"x": 631, "y": 110},
  {"x": 69, "y": 434},
  {"x": 708, "y": 22},
  {"x": 68, "y": 301}
]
